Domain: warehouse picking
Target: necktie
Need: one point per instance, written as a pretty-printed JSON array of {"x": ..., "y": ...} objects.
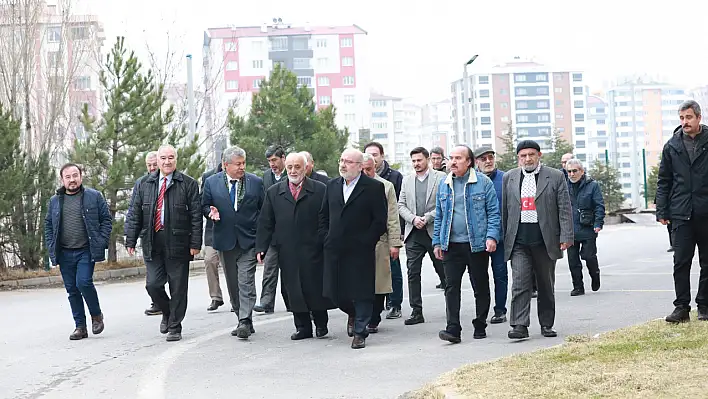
[
  {"x": 232, "y": 192},
  {"x": 160, "y": 201}
]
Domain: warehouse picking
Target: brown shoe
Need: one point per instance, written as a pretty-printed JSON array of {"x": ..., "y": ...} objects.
[
  {"x": 97, "y": 324},
  {"x": 79, "y": 333},
  {"x": 350, "y": 326},
  {"x": 358, "y": 343}
]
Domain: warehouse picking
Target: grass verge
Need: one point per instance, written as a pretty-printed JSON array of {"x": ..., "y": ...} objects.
[
  {"x": 16, "y": 273},
  {"x": 652, "y": 360}
]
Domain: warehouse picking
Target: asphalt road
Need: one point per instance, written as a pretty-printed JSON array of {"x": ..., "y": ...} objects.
[{"x": 130, "y": 359}]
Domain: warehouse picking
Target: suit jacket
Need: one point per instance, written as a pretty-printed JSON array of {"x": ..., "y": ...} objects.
[
  {"x": 209, "y": 228},
  {"x": 407, "y": 201},
  {"x": 555, "y": 215},
  {"x": 269, "y": 178},
  {"x": 235, "y": 227},
  {"x": 320, "y": 178},
  {"x": 350, "y": 232}
]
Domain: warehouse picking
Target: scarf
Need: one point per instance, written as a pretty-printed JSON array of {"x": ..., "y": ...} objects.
[{"x": 528, "y": 196}]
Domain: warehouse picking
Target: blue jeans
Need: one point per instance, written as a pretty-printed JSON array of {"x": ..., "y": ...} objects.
[
  {"x": 396, "y": 297},
  {"x": 501, "y": 279},
  {"x": 76, "y": 269}
]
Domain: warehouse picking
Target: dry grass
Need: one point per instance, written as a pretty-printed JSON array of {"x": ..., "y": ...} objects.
[
  {"x": 652, "y": 360},
  {"x": 19, "y": 274}
]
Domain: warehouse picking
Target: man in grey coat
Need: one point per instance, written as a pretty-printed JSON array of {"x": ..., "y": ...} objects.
[{"x": 538, "y": 226}]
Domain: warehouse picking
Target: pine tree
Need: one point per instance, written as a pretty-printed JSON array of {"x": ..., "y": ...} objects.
[
  {"x": 652, "y": 180},
  {"x": 283, "y": 113},
  {"x": 507, "y": 159},
  {"x": 189, "y": 160},
  {"x": 133, "y": 124},
  {"x": 608, "y": 179},
  {"x": 560, "y": 146}
]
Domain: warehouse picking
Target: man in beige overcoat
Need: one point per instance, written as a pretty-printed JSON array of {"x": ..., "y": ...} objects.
[{"x": 388, "y": 246}]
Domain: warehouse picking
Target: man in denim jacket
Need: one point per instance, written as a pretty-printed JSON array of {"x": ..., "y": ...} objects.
[{"x": 466, "y": 230}]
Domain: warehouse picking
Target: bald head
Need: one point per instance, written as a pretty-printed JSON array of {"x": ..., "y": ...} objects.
[
  {"x": 565, "y": 158},
  {"x": 350, "y": 164}
]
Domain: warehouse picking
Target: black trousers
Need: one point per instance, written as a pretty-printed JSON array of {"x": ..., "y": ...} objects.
[
  {"x": 303, "y": 322},
  {"x": 671, "y": 239},
  {"x": 419, "y": 243},
  {"x": 162, "y": 270},
  {"x": 686, "y": 236},
  {"x": 457, "y": 259},
  {"x": 379, "y": 303},
  {"x": 587, "y": 251}
]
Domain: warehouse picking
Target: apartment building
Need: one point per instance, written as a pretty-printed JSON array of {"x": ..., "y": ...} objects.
[
  {"x": 535, "y": 99},
  {"x": 330, "y": 60},
  {"x": 396, "y": 124},
  {"x": 437, "y": 125}
]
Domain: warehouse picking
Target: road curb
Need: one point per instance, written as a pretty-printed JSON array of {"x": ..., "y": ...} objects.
[{"x": 99, "y": 275}]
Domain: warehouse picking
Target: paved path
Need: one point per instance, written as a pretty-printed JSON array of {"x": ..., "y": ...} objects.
[{"x": 132, "y": 360}]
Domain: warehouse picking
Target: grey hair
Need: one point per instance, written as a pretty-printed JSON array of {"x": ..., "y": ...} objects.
[
  {"x": 151, "y": 154},
  {"x": 690, "y": 104},
  {"x": 308, "y": 156},
  {"x": 367, "y": 157},
  {"x": 575, "y": 162},
  {"x": 298, "y": 155},
  {"x": 167, "y": 147},
  {"x": 232, "y": 152}
]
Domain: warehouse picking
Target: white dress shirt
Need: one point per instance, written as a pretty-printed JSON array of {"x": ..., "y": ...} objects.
[{"x": 347, "y": 189}]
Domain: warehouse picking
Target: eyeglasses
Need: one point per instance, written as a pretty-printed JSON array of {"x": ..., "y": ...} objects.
[
  {"x": 348, "y": 162},
  {"x": 573, "y": 170}
]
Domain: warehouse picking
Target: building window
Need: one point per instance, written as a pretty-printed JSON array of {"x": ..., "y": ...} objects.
[
  {"x": 379, "y": 114},
  {"x": 522, "y": 105},
  {"x": 398, "y": 125},
  {"x": 486, "y": 134},
  {"x": 503, "y": 92},
  {"x": 483, "y": 80},
  {"x": 301, "y": 43},
  {"x": 325, "y": 100},
  {"x": 580, "y": 130},
  {"x": 257, "y": 83},
  {"x": 80, "y": 32},
  {"x": 577, "y": 77},
  {"x": 542, "y": 91},
  {"x": 600, "y": 121},
  {"x": 602, "y": 144},
  {"x": 484, "y": 93},
  {"x": 544, "y": 118},
  {"x": 321, "y": 43},
  {"x": 323, "y": 81},
  {"x": 541, "y": 77},
  {"x": 559, "y": 103},
  {"x": 301, "y": 63},
  {"x": 231, "y": 66},
  {"x": 542, "y": 104},
  {"x": 578, "y": 104},
  {"x": 559, "y": 116},
  {"x": 54, "y": 34},
  {"x": 347, "y": 61},
  {"x": 486, "y": 120},
  {"x": 519, "y": 78},
  {"x": 347, "y": 42},
  {"x": 82, "y": 83},
  {"x": 579, "y": 117},
  {"x": 232, "y": 85},
  {"x": 350, "y": 118},
  {"x": 322, "y": 62},
  {"x": 521, "y": 91},
  {"x": 558, "y": 90},
  {"x": 504, "y": 105},
  {"x": 484, "y": 107},
  {"x": 348, "y": 81},
  {"x": 53, "y": 59},
  {"x": 304, "y": 81},
  {"x": 522, "y": 118},
  {"x": 257, "y": 64},
  {"x": 578, "y": 91},
  {"x": 602, "y": 133},
  {"x": 580, "y": 144},
  {"x": 349, "y": 99},
  {"x": 504, "y": 119},
  {"x": 278, "y": 43}
]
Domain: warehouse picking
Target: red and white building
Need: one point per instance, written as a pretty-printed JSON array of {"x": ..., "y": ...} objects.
[{"x": 330, "y": 60}]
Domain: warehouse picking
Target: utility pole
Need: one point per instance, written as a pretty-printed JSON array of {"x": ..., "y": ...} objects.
[
  {"x": 635, "y": 151},
  {"x": 190, "y": 99},
  {"x": 469, "y": 107}
]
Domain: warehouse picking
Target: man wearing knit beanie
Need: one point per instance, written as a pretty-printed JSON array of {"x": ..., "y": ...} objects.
[{"x": 538, "y": 226}]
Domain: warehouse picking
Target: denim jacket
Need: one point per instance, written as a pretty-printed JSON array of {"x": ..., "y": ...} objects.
[{"x": 481, "y": 208}]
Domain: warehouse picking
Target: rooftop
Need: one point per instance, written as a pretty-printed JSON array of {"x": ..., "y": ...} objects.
[{"x": 282, "y": 30}]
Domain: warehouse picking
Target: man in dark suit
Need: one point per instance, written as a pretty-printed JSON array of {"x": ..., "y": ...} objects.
[
  {"x": 291, "y": 212},
  {"x": 353, "y": 217},
  {"x": 211, "y": 257},
  {"x": 167, "y": 219},
  {"x": 276, "y": 160},
  {"x": 233, "y": 200},
  {"x": 538, "y": 227},
  {"x": 310, "y": 169}
]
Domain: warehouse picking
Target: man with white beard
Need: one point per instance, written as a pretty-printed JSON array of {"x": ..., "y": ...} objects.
[{"x": 291, "y": 213}]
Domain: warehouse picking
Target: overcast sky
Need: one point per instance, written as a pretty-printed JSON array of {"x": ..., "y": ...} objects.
[{"x": 417, "y": 47}]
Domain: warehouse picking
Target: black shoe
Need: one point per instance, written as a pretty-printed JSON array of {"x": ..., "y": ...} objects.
[
  {"x": 416, "y": 318},
  {"x": 350, "y": 326},
  {"x": 79, "y": 333},
  {"x": 670, "y": 249},
  {"x": 301, "y": 334},
  {"x": 233, "y": 310},
  {"x": 163, "y": 325},
  {"x": 153, "y": 310},
  {"x": 359, "y": 342},
  {"x": 577, "y": 292},
  {"x": 449, "y": 337},
  {"x": 518, "y": 332},
  {"x": 173, "y": 336},
  {"x": 595, "y": 282},
  {"x": 372, "y": 329},
  {"x": 441, "y": 286},
  {"x": 498, "y": 318},
  {"x": 548, "y": 332},
  {"x": 321, "y": 332},
  {"x": 214, "y": 305},
  {"x": 703, "y": 313},
  {"x": 244, "y": 330},
  {"x": 479, "y": 333},
  {"x": 395, "y": 313},
  {"x": 534, "y": 294},
  {"x": 262, "y": 309},
  {"x": 679, "y": 315},
  {"x": 388, "y": 306}
]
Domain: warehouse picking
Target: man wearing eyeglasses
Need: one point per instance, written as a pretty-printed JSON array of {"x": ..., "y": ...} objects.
[{"x": 588, "y": 219}]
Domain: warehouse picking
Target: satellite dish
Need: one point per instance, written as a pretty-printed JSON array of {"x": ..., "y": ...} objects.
[
  {"x": 275, "y": 20},
  {"x": 280, "y": 20}
]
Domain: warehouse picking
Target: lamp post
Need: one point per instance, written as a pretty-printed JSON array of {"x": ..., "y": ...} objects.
[{"x": 469, "y": 106}]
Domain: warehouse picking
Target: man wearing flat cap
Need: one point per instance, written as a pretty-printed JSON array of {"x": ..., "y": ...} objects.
[
  {"x": 485, "y": 157},
  {"x": 538, "y": 227}
]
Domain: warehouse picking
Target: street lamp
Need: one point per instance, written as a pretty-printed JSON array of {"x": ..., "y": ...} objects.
[{"x": 468, "y": 103}]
